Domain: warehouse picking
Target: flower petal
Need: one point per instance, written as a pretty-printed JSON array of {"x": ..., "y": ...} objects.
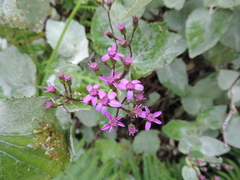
[
  {"x": 119, "y": 117},
  {"x": 120, "y": 124},
  {"x": 87, "y": 98},
  {"x": 116, "y": 58},
  {"x": 121, "y": 86},
  {"x": 157, "y": 121},
  {"x": 129, "y": 95},
  {"x": 114, "y": 103},
  {"x": 120, "y": 54},
  {"x": 114, "y": 47},
  {"x": 111, "y": 129},
  {"x": 117, "y": 75},
  {"x": 147, "y": 110},
  {"x": 156, "y": 114},
  {"x": 139, "y": 87},
  {"x": 111, "y": 72},
  {"x": 94, "y": 101},
  {"x": 143, "y": 115},
  {"x": 148, "y": 125},
  {"x": 103, "y": 78},
  {"x": 108, "y": 115},
  {"x": 107, "y": 126},
  {"x": 99, "y": 106},
  {"x": 124, "y": 81},
  {"x": 112, "y": 95},
  {"x": 96, "y": 86},
  {"x": 103, "y": 110},
  {"x": 136, "y": 81},
  {"x": 105, "y": 57},
  {"x": 102, "y": 93},
  {"x": 89, "y": 88}
]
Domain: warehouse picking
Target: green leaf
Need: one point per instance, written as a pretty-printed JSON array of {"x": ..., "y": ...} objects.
[
  {"x": 177, "y": 19},
  {"x": 189, "y": 173},
  {"x": 232, "y": 36},
  {"x": 193, "y": 105},
  {"x": 153, "y": 98},
  {"x": 177, "y": 129},
  {"x": 33, "y": 144},
  {"x": 213, "y": 117},
  {"x": 139, "y": 4},
  {"x": 24, "y": 14},
  {"x": 109, "y": 149},
  {"x": 74, "y": 106},
  {"x": 88, "y": 117},
  {"x": 174, "y": 77},
  {"x": 188, "y": 144},
  {"x": 146, "y": 142},
  {"x": 220, "y": 54},
  {"x": 204, "y": 30},
  {"x": 212, "y": 147},
  {"x": 233, "y": 133},
  {"x": 235, "y": 92},
  {"x": 17, "y": 73},
  {"x": 176, "y": 4},
  {"x": 74, "y": 45},
  {"x": 227, "y": 3},
  {"x": 226, "y": 78}
]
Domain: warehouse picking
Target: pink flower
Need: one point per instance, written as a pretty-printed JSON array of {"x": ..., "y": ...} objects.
[
  {"x": 151, "y": 118},
  {"x": 130, "y": 86},
  {"x": 61, "y": 75},
  {"x": 48, "y": 105},
  {"x": 113, "y": 122},
  {"x": 139, "y": 96},
  {"x": 112, "y": 53},
  {"x": 132, "y": 129},
  {"x": 111, "y": 80},
  {"x": 202, "y": 177},
  {"x": 94, "y": 66},
  {"x": 51, "y": 88},
  {"x": 121, "y": 27},
  {"x": 139, "y": 112},
  {"x": 92, "y": 96},
  {"x": 127, "y": 61},
  {"x": 106, "y": 100},
  {"x": 216, "y": 178}
]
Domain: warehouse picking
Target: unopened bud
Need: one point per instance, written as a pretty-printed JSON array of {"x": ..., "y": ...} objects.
[
  {"x": 68, "y": 79},
  {"x": 123, "y": 42},
  {"x": 108, "y": 33},
  {"x": 109, "y": 2},
  {"x": 49, "y": 104},
  {"x": 121, "y": 28},
  {"x": 135, "y": 22},
  {"x": 127, "y": 61}
]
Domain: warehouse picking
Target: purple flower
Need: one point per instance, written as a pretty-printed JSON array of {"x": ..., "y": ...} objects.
[
  {"x": 139, "y": 96},
  {"x": 106, "y": 32},
  {"x": 94, "y": 66},
  {"x": 216, "y": 178},
  {"x": 122, "y": 42},
  {"x": 227, "y": 166},
  {"x": 121, "y": 27},
  {"x": 92, "y": 96},
  {"x": 111, "y": 80},
  {"x": 132, "y": 129},
  {"x": 139, "y": 112},
  {"x": 48, "y": 105},
  {"x": 61, "y": 75},
  {"x": 106, "y": 100},
  {"x": 127, "y": 61},
  {"x": 67, "y": 77},
  {"x": 112, "y": 53},
  {"x": 205, "y": 169},
  {"x": 202, "y": 177},
  {"x": 151, "y": 118},
  {"x": 218, "y": 167},
  {"x": 51, "y": 88},
  {"x": 130, "y": 86},
  {"x": 113, "y": 122}
]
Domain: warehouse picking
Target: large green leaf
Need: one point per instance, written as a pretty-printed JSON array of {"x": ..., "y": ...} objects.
[
  {"x": 139, "y": 4},
  {"x": 177, "y": 19},
  {"x": 174, "y": 77},
  {"x": 146, "y": 142},
  {"x": 227, "y": 3},
  {"x": 188, "y": 144},
  {"x": 226, "y": 78},
  {"x": 177, "y": 4},
  {"x": 213, "y": 117},
  {"x": 204, "y": 30},
  {"x": 177, "y": 129},
  {"x": 24, "y": 13},
  {"x": 233, "y": 133},
  {"x": 212, "y": 147},
  {"x": 88, "y": 117},
  {"x": 74, "y": 45},
  {"x": 33, "y": 144},
  {"x": 232, "y": 36},
  {"x": 17, "y": 73},
  {"x": 189, "y": 173}
]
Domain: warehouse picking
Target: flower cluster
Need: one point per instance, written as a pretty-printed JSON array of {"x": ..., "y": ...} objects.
[{"x": 117, "y": 82}]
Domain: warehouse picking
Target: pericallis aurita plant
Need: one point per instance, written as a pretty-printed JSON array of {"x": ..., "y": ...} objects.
[{"x": 102, "y": 100}]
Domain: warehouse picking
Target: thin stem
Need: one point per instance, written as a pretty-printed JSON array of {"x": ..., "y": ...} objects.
[
  {"x": 50, "y": 60},
  {"x": 129, "y": 44},
  {"x": 232, "y": 110},
  {"x": 66, "y": 89},
  {"x": 70, "y": 90}
]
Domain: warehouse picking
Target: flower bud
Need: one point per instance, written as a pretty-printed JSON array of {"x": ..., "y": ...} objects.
[
  {"x": 132, "y": 129},
  {"x": 109, "y": 2},
  {"x": 68, "y": 79},
  {"x": 108, "y": 33},
  {"x": 94, "y": 66},
  {"x": 127, "y": 61},
  {"x": 121, "y": 28},
  {"x": 61, "y": 77},
  {"x": 49, "y": 104},
  {"x": 123, "y": 42},
  {"x": 135, "y": 21}
]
